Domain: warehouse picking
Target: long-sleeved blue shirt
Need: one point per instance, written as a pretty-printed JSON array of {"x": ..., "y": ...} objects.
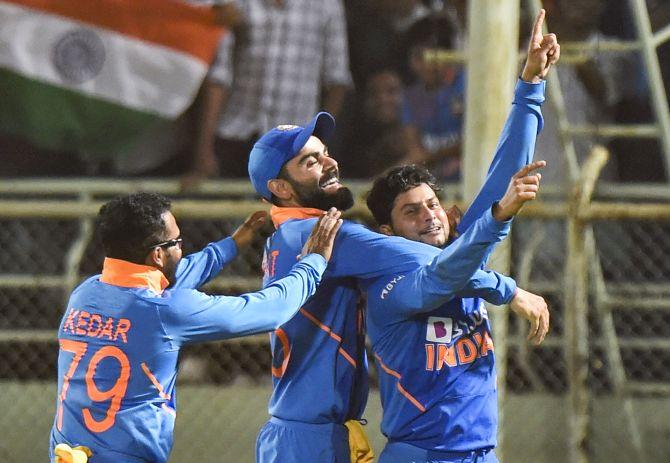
[
  {"x": 434, "y": 351},
  {"x": 319, "y": 367},
  {"x": 121, "y": 335}
]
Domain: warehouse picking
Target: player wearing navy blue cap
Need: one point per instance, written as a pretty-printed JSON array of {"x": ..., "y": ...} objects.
[{"x": 280, "y": 145}]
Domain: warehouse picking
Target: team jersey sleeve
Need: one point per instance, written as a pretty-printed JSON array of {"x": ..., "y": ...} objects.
[
  {"x": 515, "y": 148},
  {"x": 191, "y": 316},
  {"x": 359, "y": 252},
  {"x": 198, "y": 268},
  {"x": 429, "y": 286},
  {"x": 493, "y": 287}
]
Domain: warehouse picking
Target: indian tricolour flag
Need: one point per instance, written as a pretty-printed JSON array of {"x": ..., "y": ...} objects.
[{"x": 92, "y": 75}]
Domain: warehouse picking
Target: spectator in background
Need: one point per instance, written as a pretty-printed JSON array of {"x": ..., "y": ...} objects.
[
  {"x": 590, "y": 86},
  {"x": 376, "y": 29},
  {"x": 95, "y": 97},
  {"x": 433, "y": 106},
  {"x": 370, "y": 138},
  {"x": 165, "y": 149},
  {"x": 274, "y": 68}
]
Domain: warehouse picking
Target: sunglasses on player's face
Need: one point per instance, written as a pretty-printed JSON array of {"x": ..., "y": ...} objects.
[{"x": 168, "y": 244}]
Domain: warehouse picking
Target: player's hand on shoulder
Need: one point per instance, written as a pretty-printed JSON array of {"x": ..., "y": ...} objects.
[
  {"x": 534, "y": 309},
  {"x": 543, "y": 52},
  {"x": 322, "y": 238},
  {"x": 251, "y": 228},
  {"x": 523, "y": 187}
]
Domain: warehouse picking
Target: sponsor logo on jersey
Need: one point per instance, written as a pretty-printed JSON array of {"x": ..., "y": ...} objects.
[
  {"x": 452, "y": 342},
  {"x": 390, "y": 285},
  {"x": 447, "y": 330},
  {"x": 439, "y": 329}
]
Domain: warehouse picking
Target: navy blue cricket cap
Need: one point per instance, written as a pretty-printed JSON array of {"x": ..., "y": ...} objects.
[{"x": 278, "y": 146}]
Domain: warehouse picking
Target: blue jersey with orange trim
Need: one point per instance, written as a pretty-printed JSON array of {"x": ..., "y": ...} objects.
[
  {"x": 434, "y": 352},
  {"x": 121, "y": 335},
  {"x": 319, "y": 367}
]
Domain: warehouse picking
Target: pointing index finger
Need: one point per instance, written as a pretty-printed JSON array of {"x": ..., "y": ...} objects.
[
  {"x": 528, "y": 168},
  {"x": 537, "y": 27}
]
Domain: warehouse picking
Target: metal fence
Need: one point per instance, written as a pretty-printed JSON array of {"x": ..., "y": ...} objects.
[{"x": 49, "y": 244}]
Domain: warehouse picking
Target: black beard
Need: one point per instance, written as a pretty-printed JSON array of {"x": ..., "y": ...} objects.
[
  {"x": 342, "y": 199},
  {"x": 171, "y": 278},
  {"x": 170, "y": 273}
]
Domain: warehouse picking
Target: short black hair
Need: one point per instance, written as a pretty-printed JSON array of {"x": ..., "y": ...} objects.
[
  {"x": 436, "y": 31},
  {"x": 129, "y": 225},
  {"x": 385, "y": 189}
]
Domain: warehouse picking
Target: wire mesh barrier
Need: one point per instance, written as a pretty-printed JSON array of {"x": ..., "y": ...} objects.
[{"x": 224, "y": 386}]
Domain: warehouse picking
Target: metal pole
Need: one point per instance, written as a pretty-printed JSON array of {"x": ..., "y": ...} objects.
[
  {"x": 493, "y": 27},
  {"x": 576, "y": 343},
  {"x": 659, "y": 99},
  {"x": 493, "y": 33},
  {"x": 576, "y": 313}
]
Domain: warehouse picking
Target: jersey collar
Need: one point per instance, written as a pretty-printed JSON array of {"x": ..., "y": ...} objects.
[
  {"x": 119, "y": 272},
  {"x": 282, "y": 214}
]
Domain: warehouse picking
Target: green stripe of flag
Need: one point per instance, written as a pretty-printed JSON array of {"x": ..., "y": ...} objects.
[{"x": 55, "y": 118}]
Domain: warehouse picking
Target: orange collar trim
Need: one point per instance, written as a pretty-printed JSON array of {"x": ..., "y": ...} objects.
[
  {"x": 119, "y": 272},
  {"x": 282, "y": 214}
]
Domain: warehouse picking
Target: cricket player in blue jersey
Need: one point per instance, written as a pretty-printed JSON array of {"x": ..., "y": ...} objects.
[
  {"x": 434, "y": 351},
  {"x": 122, "y": 331},
  {"x": 319, "y": 365}
]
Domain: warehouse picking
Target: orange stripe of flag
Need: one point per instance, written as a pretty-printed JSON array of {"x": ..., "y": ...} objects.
[{"x": 170, "y": 23}]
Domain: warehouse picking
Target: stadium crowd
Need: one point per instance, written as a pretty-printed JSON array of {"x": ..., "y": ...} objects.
[{"x": 367, "y": 64}]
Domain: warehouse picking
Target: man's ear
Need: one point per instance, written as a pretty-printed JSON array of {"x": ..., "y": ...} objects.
[
  {"x": 280, "y": 188},
  {"x": 155, "y": 258},
  {"x": 386, "y": 230}
]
